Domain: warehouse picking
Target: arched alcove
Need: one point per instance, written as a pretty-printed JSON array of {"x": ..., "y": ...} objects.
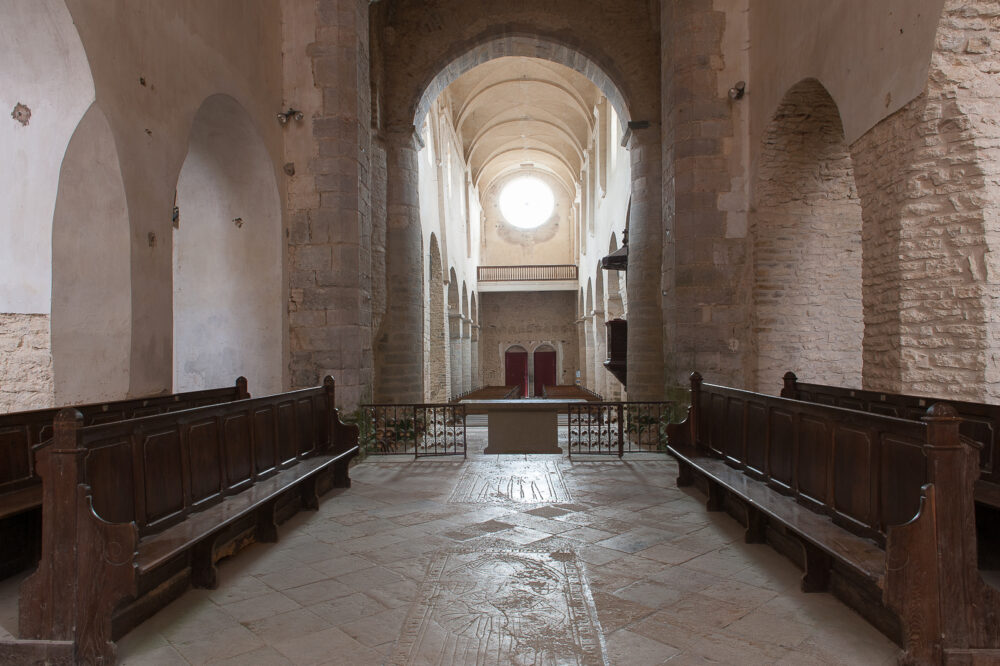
[
  {"x": 515, "y": 363},
  {"x": 228, "y": 249},
  {"x": 91, "y": 270},
  {"x": 476, "y": 367},
  {"x": 45, "y": 89},
  {"x": 436, "y": 370},
  {"x": 454, "y": 334},
  {"x": 807, "y": 246},
  {"x": 466, "y": 341}
]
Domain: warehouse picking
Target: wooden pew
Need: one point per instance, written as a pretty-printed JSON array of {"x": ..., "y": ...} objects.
[
  {"x": 980, "y": 422},
  {"x": 564, "y": 391},
  {"x": 876, "y": 509},
  {"x": 20, "y": 487},
  {"x": 136, "y": 511}
]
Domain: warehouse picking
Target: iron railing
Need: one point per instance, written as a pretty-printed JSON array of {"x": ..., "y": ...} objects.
[
  {"x": 417, "y": 430},
  {"x": 526, "y": 273},
  {"x": 617, "y": 428}
]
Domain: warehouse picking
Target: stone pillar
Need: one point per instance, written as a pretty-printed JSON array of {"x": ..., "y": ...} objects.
[
  {"x": 330, "y": 293},
  {"x": 477, "y": 380},
  {"x": 588, "y": 353},
  {"x": 581, "y": 334},
  {"x": 466, "y": 355},
  {"x": 399, "y": 351},
  {"x": 645, "y": 320},
  {"x": 455, "y": 352},
  {"x": 600, "y": 354}
]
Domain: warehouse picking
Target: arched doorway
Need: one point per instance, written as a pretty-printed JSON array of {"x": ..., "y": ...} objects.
[
  {"x": 544, "y": 361},
  {"x": 515, "y": 363}
]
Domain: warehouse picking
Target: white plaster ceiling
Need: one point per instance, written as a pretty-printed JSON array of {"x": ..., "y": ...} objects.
[{"x": 517, "y": 111}]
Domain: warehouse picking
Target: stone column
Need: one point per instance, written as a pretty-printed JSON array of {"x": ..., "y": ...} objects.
[
  {"x": 581, "y": 334},
  {"x": 600, "y": 354},
  {"x": 476, "y": 376},
  {"x": 645, "y": 319},
  {"x": 466, "y": 355},
  {"x": 588, "y": 354},
  {"x": 399, "y": 351},
  {"x": 330, "y": 292},
  {"x": 455, "y": 352}
]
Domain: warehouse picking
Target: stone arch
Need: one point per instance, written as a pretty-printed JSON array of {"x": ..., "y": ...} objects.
[
  {"x": 477, "y": 372},
  {"x": 599, "y": 333},
  {"x": 46, "y": 88},
  {"x": 526, "y": 45},
  {"x": 454, "y": 333},
  {"x": 466, "y": 343},
  {"x": 91, "y": 269},
  {"x": 807, "y": 246},
  {"x": 227, "y": 255},
  {"x": 436, "y": 369}
]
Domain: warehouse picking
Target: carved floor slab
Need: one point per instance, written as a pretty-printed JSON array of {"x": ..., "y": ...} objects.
[
  {"x": 524, "y": 481},
  {"x": 506, "y": 606}
]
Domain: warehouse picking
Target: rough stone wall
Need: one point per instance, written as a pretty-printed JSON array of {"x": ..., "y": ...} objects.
[
  {"x": 927, "y": 177},
  {"x": 528, "y": 319},
  {"x": 807, "y": 247},
  {"x": 330, "y": 263},
  {"x": 436, "y": 357},
  {"x": 25, "y": 362},
  {"x": 705, "y": 302}
]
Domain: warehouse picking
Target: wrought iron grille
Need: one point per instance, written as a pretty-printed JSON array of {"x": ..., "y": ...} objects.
[
  {"x": 617, "y": 428},
  {"x": 417, "y": 430}
]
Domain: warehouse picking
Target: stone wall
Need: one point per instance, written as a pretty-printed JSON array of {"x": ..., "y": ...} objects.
[
  {"x": 927, "y": 179},
  {"x": 25, "y": 362},
  {"x": 529, "y": 319},
  {"x": 806, "y": 247}
]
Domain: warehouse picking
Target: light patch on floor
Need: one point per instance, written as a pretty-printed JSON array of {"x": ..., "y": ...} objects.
[
  {"x": 523, "y": 481},
  {"x": 508, "y": 606}
]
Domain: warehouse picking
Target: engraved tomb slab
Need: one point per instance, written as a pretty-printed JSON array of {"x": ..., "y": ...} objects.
[{"x": 522, "y": 481}]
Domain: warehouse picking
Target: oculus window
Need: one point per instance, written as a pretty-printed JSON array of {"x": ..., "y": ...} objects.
[{"x": 526, "y": 202}]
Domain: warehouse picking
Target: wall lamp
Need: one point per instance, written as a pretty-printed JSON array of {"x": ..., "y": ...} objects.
[
  {"x": 285, "y": 116},
  {"x": 737, "y": 91}
]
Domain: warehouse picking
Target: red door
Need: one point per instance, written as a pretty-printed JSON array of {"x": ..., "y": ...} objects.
[
  {"x": 516, "y": 369},
  {"x": 545, "y": 370}
]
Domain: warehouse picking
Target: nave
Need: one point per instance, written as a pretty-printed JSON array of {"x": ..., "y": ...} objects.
[{"x": 505, "y": 559}]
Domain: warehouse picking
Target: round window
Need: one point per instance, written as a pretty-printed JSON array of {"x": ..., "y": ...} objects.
[{"x": 526, "y": 202}]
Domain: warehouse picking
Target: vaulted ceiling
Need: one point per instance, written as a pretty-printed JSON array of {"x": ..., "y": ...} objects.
[{"x": 523, "y": 113}]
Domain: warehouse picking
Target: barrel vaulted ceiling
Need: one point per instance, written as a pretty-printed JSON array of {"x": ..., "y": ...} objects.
[{"x": 522, "y": 114}]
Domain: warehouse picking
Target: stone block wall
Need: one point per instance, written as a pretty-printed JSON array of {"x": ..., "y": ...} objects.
[
  {"x": 25, "y": 362},
  {"x": 529, "y": 319},
  {"x": 806, "y": 247}
]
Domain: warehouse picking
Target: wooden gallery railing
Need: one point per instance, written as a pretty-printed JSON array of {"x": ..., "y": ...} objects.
[
  {"x": 540, "y": 273},
  {"x": 418, "y": 430},
  {"x": 878, "y": 509},
  {"x": 617, "y": 428}
]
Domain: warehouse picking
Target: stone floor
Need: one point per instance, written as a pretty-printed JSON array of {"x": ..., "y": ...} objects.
[{"x": 508, "y": 560}]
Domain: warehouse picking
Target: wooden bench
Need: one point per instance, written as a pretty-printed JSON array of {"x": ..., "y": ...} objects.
[
  {"x": 135, "y": 512},
  {"x": 980, "y": 422},
  {"x": 22, "y": 432},
  {"x": 876, "y": 509},
  {"x": 569, "y": 391}
]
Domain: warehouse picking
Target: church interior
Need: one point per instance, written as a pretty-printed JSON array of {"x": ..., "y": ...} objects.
[{"x": 465, "y": 332}]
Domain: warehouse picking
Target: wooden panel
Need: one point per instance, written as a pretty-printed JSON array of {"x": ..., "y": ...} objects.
[
  {"x": 732, "y": 443},
  {"x": 904, "y": 471},
  {"x": 15, "y": 452},
  {"x": 205, "y": 460},
  {"x": 981, "y": 431},
  {"x": 108, "y": 470},
  {"x": 814, "y": 458},
  {"x": 164, "y": 474},
  {"x": 287, "y": 445},
  {"x": 265, "y": 454},
  {"x": 756, "y": 448},
  {"x": 781, "y": 448},
  {"x": 238, "y": 449},
  {"x": 320, "y": 416},
  {"x": 717, "y": 425},
  {"x": 305, "y": 426},
  {"x": 852, "y": 474}
]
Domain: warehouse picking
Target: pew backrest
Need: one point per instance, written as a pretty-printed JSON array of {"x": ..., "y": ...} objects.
[
  {"x": 20, "y": 432},
  {"x": 863, "y": 470},
  {"x": 980, "y": 422},
  {"x": 157, "y": 470}
]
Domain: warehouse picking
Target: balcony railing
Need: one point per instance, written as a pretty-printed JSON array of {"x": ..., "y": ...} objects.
[{"x": 527, "y": 273}]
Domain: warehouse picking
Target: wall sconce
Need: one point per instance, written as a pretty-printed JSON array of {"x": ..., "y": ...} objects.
[
  {"x": 284, "y": 117},
  {"x": 737, "y": 91}
]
